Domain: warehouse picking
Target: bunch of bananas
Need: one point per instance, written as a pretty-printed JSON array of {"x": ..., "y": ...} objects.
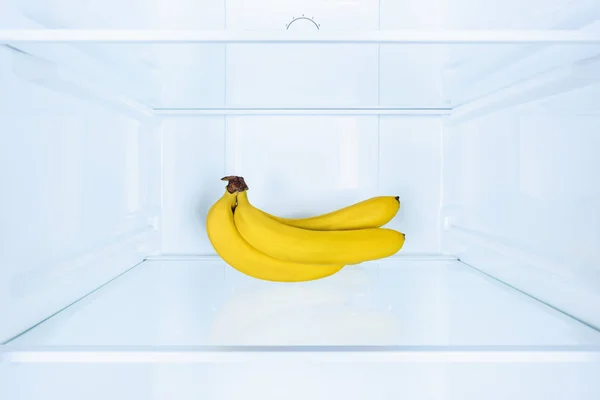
[{"x": 293, "y": 250}]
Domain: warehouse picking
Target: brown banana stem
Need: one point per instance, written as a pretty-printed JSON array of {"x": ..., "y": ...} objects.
[{"x": 235, "y": 184}]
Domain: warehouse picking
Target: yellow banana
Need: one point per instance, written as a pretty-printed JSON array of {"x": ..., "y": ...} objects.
[
  {"x": 236, "y": 252},
  {"x": 289, "y": 243},
  {"x": 371, "y": 213}
]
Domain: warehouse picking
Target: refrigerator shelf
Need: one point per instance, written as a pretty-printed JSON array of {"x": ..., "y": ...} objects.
[{"x": 401, "y": 310}]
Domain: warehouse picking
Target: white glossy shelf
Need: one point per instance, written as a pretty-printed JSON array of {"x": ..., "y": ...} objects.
[
  {"x": 404, "y": 354},
  {"x": 254, "y": 36},
  {"x": 444, "y": 308},
  {"x": 193, "y": 112}
]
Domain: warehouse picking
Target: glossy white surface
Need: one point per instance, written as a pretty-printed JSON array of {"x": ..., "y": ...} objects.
[
  {"x": 301, "y": 166},
  {"x": 486, "y": 14},
  {"x": 354, "y": 111},
  {"x": 193, "y": 165},
  {"x": 410, "y": 165},
  {"x": 310, "y": 36},
  {"x": 276, "y": 76},
  {"x": 79, "y": 186},
  {"x": 300, "y": 76},
  {"x": 429, "y": 14},
  {"x": 392, "y": 302},
  {"x": 522, "y": 192},
  {"x": 301, "y": 380},
  {"x": 263, "y": 74}
]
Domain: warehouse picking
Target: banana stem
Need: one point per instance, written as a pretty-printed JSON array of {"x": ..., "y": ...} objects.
[{"x": 235, "y": 184}]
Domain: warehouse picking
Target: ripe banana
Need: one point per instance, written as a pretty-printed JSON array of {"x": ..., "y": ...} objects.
[
  {"x": 240, "y": 255},
  {"x": 371, "y": 213},
  {"x": 289, "y": 243}
]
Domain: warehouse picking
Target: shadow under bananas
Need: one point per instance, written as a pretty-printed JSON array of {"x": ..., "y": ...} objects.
[{"x": 333, "y": 311}]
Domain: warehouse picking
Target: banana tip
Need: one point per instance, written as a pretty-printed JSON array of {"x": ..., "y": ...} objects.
[{"x": 397, "y": 199}]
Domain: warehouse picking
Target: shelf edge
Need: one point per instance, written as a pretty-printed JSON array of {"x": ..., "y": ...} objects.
[
  {"x": 364, "y": 354},
  {"x": 192, "y": 112},
  {"x": 365, "y": 37}
]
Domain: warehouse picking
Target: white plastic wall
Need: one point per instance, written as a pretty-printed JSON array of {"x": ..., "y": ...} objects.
[
  {"x": 304, "y": 378},
  {"x": 300, "y": 166},
  {"x": 210, "y": 14},
  {"x": 92, "y": 181},
  {"x": 522, "y": 198},
  {"x": 80, "y": 190},
  {"x": 75, "y": 114}
]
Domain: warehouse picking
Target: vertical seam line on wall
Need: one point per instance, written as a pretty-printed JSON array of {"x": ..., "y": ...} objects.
[
  {"x": 378, "y": 97},
  {"x": 225, "y": 104},
  {"x": 379, "y": 57},
  {"x": 225, "y": 172},
  {"x": 225, "y": 55},
  {"x": 379, "y": 76},
  {"x": 442, "y": 128},
  {"x": 441, "y": 205},
  {"x": 378, "y": 151},
  {"x": 161, "y": 223}
]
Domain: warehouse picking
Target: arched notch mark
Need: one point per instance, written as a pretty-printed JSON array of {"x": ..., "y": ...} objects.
[{"x": 318, "y": 26}]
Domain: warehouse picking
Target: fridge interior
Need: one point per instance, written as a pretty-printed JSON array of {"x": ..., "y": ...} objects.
[{"x": 117, "y": 128}]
